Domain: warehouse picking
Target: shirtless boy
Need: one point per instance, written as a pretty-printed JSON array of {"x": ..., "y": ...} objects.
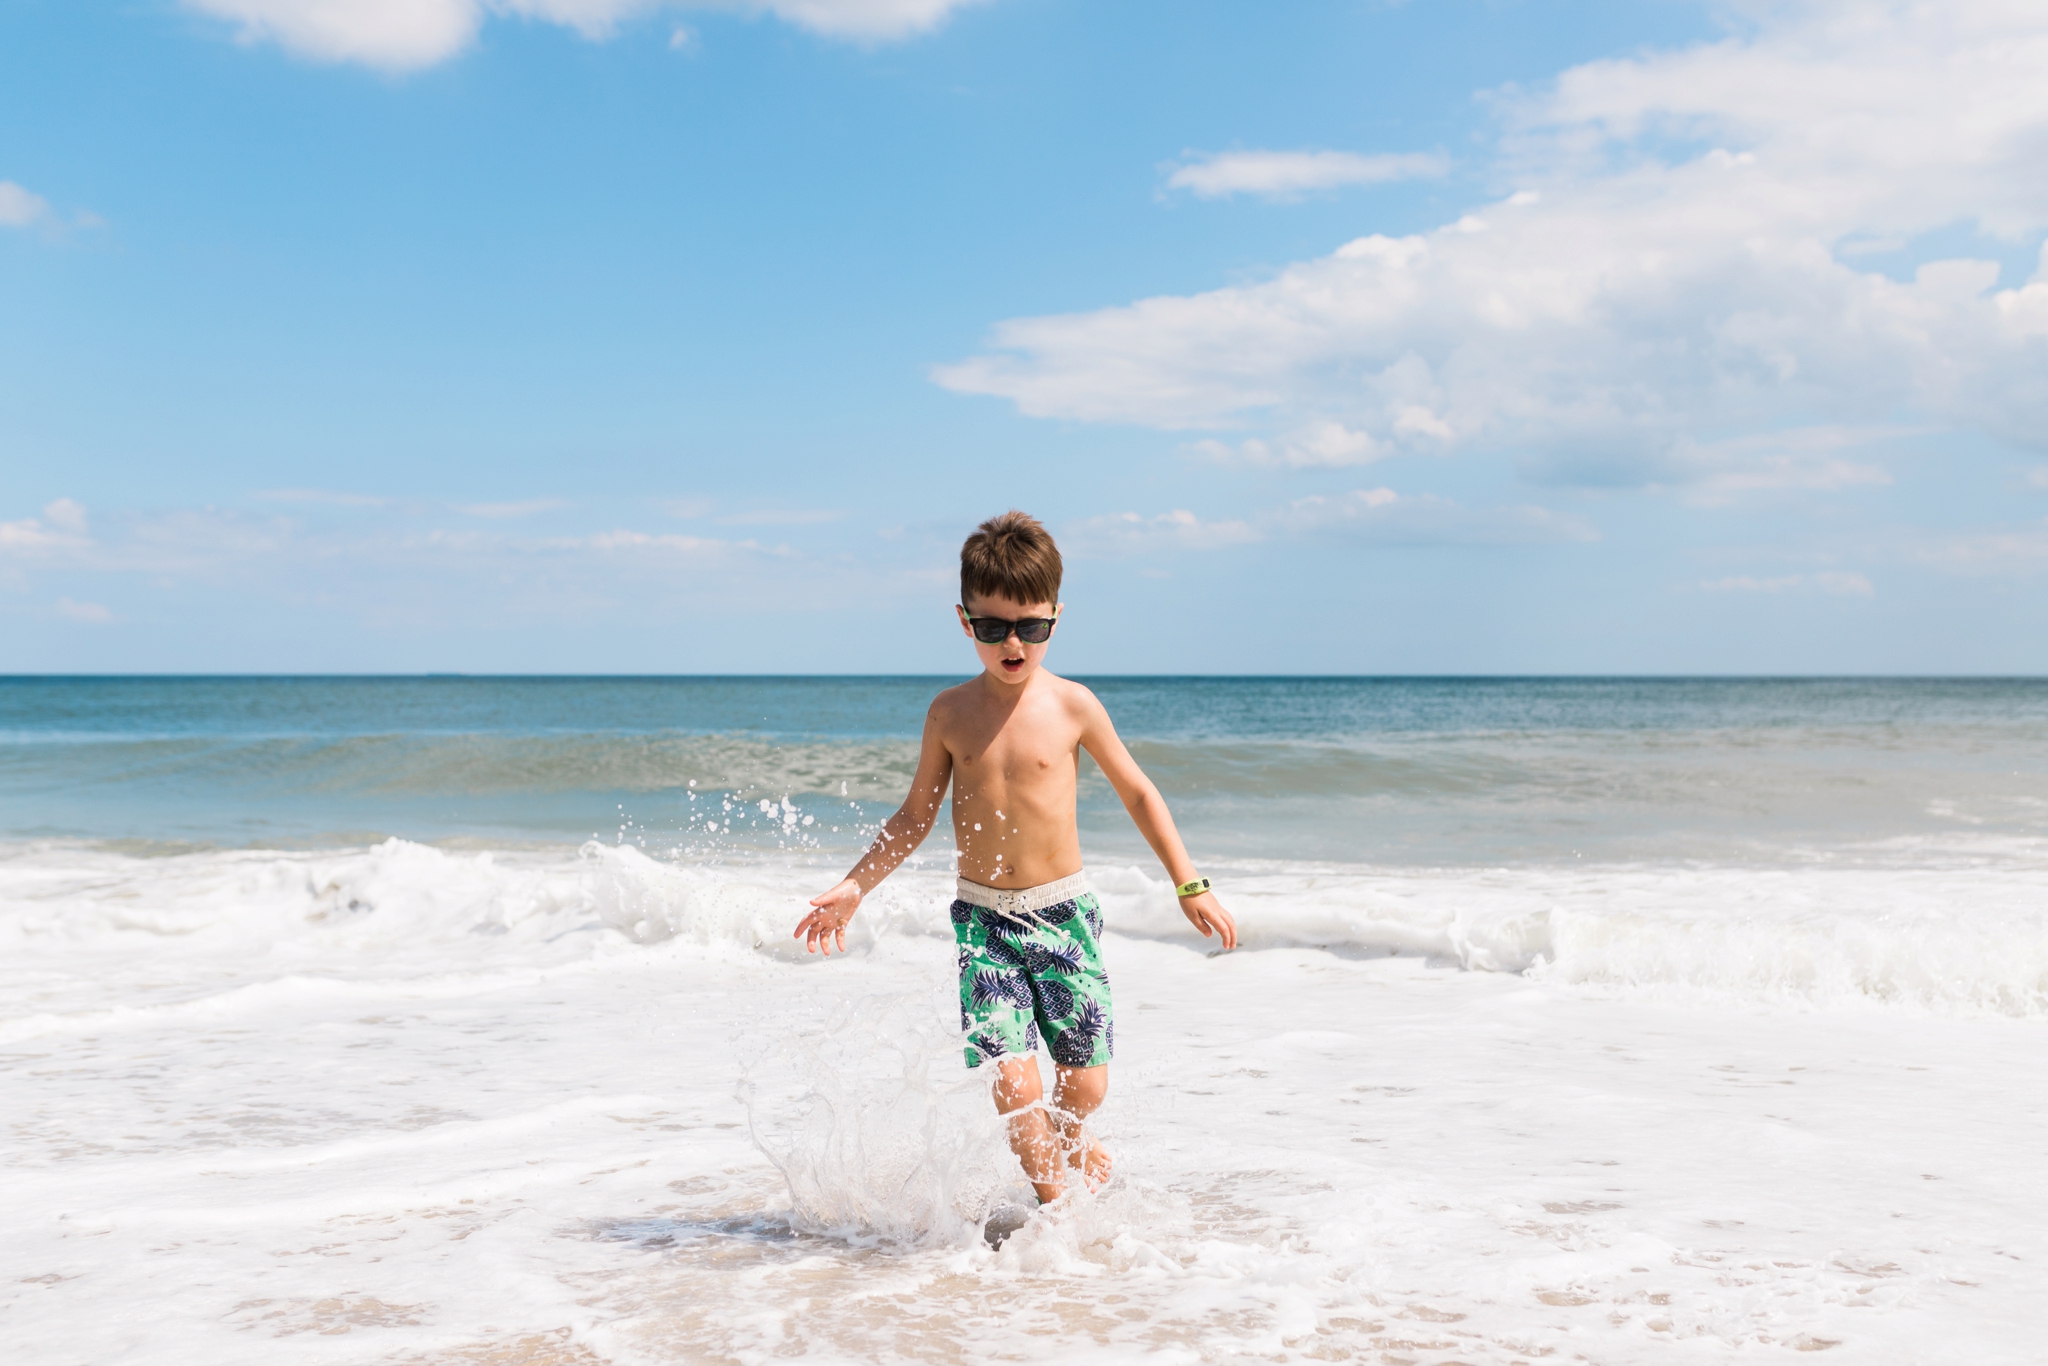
[{"x": 1026, "y": 925}]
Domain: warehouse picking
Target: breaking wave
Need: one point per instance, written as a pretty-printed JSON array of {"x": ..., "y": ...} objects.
[{"x": 1961, "y": 940}]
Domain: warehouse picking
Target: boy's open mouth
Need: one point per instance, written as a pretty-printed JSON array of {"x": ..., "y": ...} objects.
[{"x": 1013, "y": 661}]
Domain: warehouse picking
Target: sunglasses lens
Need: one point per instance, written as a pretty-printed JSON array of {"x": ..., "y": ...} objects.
[{"x": 993, "y": 631}]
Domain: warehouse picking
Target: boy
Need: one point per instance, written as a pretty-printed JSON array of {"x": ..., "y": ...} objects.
[{"x": 1025, "y": 923}]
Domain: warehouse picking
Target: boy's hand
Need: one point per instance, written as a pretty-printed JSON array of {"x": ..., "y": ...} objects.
[
  {"x": 1206, "y": 914},
  {"x": 827, "y": 922}
]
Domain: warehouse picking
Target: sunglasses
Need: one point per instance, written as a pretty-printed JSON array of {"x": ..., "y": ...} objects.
[{"x": 994, "y": 630}]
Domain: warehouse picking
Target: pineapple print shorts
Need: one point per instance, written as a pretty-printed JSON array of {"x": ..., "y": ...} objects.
[{"x": 1031, "y": 967}]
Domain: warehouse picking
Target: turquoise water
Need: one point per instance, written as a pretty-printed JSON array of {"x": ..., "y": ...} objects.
[{"x": 1378, "y": 770}]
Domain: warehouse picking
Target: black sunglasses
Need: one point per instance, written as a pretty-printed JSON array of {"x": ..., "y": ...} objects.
[{"x": 994, "y": 630}]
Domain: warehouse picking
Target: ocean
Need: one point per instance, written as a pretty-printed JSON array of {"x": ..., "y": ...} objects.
[{"x": 458, "y": 1020}]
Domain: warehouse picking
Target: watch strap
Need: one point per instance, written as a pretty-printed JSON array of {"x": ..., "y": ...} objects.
[{"x": 1195, "y": 888}]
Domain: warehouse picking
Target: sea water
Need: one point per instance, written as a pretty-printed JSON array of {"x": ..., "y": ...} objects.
[{"x": 458, "y": 1020}]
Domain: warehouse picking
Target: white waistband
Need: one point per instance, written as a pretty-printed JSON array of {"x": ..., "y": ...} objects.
[{"x": 1024, "y": 900}]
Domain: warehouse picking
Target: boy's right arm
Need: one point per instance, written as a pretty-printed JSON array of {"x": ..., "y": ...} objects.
[{"x": 900, "y": 835}]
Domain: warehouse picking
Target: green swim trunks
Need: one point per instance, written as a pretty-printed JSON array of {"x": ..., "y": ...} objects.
[{"x": 1031, "y": 965}]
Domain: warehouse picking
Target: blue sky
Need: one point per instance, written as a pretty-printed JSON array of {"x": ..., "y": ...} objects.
[{"x": 604, "y": 335}]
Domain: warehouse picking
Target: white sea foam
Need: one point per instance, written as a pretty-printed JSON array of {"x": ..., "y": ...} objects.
[
  {"x": 1963, "y": 940},
  {"x": 400, "y": 1102}
]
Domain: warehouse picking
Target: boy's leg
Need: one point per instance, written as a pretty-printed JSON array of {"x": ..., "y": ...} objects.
[
  {"x": 1033, "y": 1135},
  {"x": 1076, "y": 1093}
]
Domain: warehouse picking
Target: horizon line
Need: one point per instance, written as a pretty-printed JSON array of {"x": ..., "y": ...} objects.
[{"x": 457, "y": 675}]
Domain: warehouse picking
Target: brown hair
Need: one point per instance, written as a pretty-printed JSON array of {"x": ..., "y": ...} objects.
[{"x": 1010, "y": 556}]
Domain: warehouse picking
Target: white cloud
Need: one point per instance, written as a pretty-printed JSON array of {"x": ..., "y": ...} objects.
[
  {"x": 1836, "y": 584},
  {"x": 92, "y": 613},
  {"x": 866, "y": 20},
  {"x": 1288, "y": 175},
  {"x": 1130, "y": 533},
  {"x": 1798, "y": 459},
  {"x": 406, "y": 34},
  {"x": 395, "y": 34},
  {"x": 1629, "y": 297},
  {"x": 2022, "y": 550},
  {"x": 67, "y": 514},
  {"x": 60, "y": 529},
  {"x": 20, "y": 208},
  {"x": 1317, "y": 444},
  {"x": 329, "y": 497},
  {"x": 1391, "y": 518},
  {"x": 641, "y": 541},
  {"x": 2037, "y": 477},
  {"x": 509, "y": 511},
  {"x": 1378, "y": 515}
]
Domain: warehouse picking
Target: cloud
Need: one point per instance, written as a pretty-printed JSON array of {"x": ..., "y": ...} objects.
[
  {"x": 509, "y": 511},
  {"x": 67, "y": 514},
  {"x": 1837, "y": 584},
  {"x": 1719, "y": 473},
  {"x": 407, "y": 34},
  {"x": 60, "y": 529},
  {"x": 1424, "y": 519},
  {"x": 89, "y": 612},
  {"x": 1129, "y": 533},
  {"x": 1378, "y": 516},
  {"x": 1321, "y": 443},
  {"x": 216, "y": 544},
  {"x": 1289, "y": 175},
  {"x": 20, "y": 208},
  {"x": 866, "y": 20},
  {"x": 328, "y": 497},
  {"x": 631, "y": 542},
  {"x": 2037, "y": 477},
  {"x": 1638, "y": 291},
  {"x": 1995, "y": 551}
]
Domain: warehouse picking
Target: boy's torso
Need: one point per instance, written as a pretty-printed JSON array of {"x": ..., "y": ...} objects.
[{"x": 1015, "y": 772}]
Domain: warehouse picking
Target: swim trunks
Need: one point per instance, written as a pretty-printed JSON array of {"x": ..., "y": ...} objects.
[{"x": 1030, "y": 965}]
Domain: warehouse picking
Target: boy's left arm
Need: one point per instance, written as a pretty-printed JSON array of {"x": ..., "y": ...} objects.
[{"x": 1154, "y": 821}]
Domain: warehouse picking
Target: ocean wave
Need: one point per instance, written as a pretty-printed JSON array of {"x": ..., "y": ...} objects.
[
  {"x": 1474, "y": 798},
  {"x": 1962, "y": 941},
  {"x": 400, "y": 917},
  {"x": 482, "y": 763}
]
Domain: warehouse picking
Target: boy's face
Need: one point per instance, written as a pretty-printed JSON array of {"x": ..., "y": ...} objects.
[{"x": 1010, "y": 659}]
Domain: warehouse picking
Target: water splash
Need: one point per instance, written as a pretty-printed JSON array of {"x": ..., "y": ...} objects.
[{"x": 881, "y": 1133}]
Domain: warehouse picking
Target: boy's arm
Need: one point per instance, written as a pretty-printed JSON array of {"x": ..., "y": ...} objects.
[
  {"x": 1154, "y": 821},
  {"x": 900, "y": 835}
]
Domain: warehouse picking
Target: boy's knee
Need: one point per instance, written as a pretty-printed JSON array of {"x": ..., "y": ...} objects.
[
  {"x": 1085, "y": 1084},
  {"x": 1017, "y": 1083}
]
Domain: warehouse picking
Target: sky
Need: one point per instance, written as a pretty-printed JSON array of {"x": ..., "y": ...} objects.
[{"x": 1339, "y": 336}]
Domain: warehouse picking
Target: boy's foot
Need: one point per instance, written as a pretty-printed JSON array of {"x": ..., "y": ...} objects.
[{"x": 1095, "y": 1166}]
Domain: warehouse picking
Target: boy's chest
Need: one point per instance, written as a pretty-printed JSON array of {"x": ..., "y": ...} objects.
[{"x": 1016, "y": 759}]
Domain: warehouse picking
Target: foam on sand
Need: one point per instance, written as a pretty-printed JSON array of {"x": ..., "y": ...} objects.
[{"x": 397, "y": 1102}]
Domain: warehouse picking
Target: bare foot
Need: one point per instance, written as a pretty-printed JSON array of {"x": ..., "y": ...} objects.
[{"x": 1095, "y": 1166}]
